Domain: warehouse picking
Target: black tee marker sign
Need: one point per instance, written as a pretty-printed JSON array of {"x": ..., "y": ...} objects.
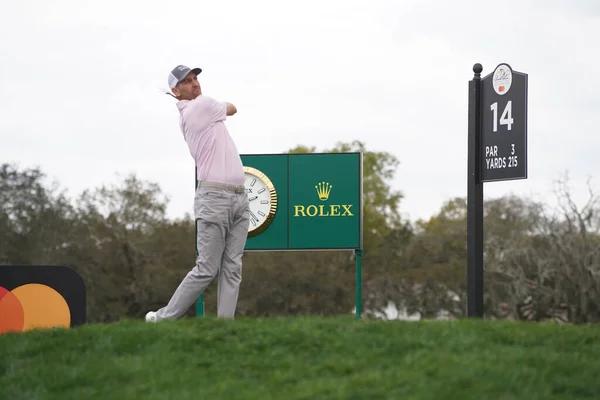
[
  {"x": 497, "y": 151},
  {"x": 504, "y": 125}
]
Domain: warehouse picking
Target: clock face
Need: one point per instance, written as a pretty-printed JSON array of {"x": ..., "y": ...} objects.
[{"x": 262, "y": 198}]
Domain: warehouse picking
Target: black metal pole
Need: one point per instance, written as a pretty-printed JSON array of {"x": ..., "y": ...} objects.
[{"x": 475, "y": 201}]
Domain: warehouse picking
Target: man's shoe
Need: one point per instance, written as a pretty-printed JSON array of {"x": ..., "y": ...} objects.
[{"x": 151, "y": 317}]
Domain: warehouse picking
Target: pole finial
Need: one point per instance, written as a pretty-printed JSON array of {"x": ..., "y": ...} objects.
[{"x": 477, "y": 68}]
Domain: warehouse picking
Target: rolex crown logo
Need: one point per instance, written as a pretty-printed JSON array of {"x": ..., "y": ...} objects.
[{"x": 323, "y": 190}]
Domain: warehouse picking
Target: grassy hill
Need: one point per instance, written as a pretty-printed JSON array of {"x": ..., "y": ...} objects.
[{"x": 303, "y": 358}]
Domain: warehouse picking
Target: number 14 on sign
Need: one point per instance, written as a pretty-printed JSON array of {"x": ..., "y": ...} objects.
[{"x": 505, "y": 119}]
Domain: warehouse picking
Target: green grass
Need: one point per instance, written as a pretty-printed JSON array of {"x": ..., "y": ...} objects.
[{"x": 303, "y": 358}]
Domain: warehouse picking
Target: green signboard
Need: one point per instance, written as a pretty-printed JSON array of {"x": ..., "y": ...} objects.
[
  {"x": 319, "y": 201},
  {"x": 309, "y": 201}
]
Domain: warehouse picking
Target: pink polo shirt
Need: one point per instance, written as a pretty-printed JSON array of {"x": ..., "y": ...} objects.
[{"x": 202, "y": 122}]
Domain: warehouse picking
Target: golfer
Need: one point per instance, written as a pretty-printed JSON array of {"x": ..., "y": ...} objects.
[{"x": 220, "y": 203}]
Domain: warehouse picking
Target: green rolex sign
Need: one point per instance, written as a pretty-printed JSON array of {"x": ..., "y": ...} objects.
[
  {"x": 305, "y": 202},
  {"x": 318, "y": 201}
]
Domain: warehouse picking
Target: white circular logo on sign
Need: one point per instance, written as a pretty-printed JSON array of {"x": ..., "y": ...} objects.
[{"x": 502, "y": 79}]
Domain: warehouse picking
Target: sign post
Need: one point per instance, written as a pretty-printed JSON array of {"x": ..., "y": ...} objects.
[{"x": 497, "y": 151}]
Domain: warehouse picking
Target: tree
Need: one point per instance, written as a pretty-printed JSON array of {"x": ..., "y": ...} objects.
[
  {"x": 430, "y": 275},
  {"x": 552, "y": 272},
  {"x": 35, "y": 220},
  {"x": 423, "y": 271},
  {"x": 121, "y": 248}
]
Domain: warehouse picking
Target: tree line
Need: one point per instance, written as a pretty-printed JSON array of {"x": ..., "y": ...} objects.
[{"x": 539, "y": 263}]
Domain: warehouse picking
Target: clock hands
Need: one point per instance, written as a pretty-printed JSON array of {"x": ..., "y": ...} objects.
[{"x": 254, "y": 219}]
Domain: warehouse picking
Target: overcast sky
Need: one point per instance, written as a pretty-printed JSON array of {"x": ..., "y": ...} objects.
[{"x": 80, "y": 85}]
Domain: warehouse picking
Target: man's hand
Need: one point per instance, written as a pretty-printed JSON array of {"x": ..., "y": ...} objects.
[{"x": 231, "y": 109}]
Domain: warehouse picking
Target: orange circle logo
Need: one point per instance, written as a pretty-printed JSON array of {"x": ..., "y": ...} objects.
[{"x": 32, "y": 306}]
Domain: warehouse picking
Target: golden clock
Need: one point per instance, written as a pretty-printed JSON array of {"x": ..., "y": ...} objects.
[{"x": 262, "y": 198}]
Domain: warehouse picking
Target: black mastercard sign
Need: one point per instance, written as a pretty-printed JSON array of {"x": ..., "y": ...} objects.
[{"x": 40, "y": 296}]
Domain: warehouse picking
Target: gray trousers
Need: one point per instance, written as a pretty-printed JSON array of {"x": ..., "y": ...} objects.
[{"x": 222, "y": 216}]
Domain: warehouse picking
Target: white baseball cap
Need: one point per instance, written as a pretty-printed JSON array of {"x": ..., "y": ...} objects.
[{"x": 179, "y": 73}]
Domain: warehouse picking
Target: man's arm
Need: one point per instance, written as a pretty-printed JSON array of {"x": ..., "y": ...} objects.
[{"x": 231, "y": 109}]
